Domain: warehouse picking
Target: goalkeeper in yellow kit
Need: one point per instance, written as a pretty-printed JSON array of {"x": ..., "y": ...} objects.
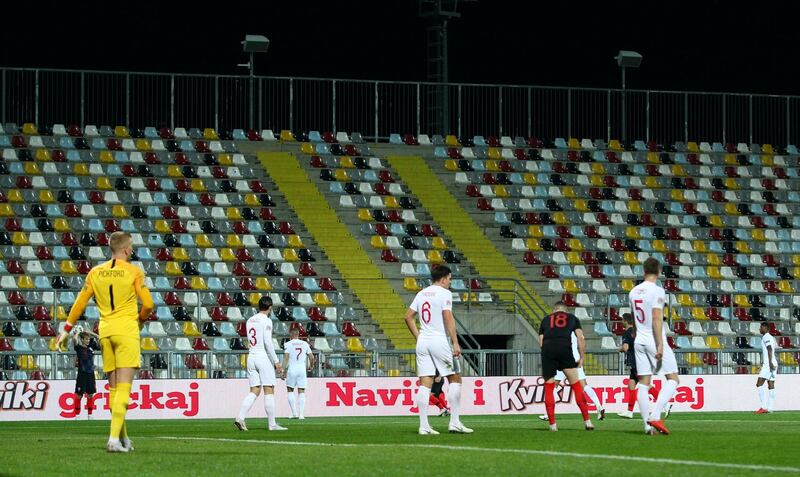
[{"x": 116, "y": 285}]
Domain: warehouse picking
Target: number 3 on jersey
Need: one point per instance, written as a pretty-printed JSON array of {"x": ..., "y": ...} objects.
[
  {"x": 253, "y": 340},
  {"x": 639, "y": 310},
  {"x": 425, "y": 313}
]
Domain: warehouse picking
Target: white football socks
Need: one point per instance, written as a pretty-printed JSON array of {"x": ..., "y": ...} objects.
[
  {"x": 423, "y": 395},
  {"x": 770, "y": 400},
  {"x": 454, "y": 399},
  {"x": 643, "y": 396},
  {"x": 292, "y": 404},
  {"x": 246, "y": 405},
  {"x": 762, "y": 396},
  {"x": 302, "y": 404},
  {"x": 592, "y": 395},
  {"x": 667, "y": 392},
  {"x": 269, "y": 406}
]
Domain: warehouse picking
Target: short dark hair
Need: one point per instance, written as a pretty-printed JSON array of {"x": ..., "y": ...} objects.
[
  {"x": 559, "y": 304},
  {"x": 627, "y": 318},
  {"x": 439, "y": 272},
  {"x": 651, "y": 266},
  {"x": 264, "y": 303},
  {"x": 765, "y": 324}
]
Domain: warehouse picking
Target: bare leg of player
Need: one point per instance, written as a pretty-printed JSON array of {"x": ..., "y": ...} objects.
[{"x": 580, "y": 397}]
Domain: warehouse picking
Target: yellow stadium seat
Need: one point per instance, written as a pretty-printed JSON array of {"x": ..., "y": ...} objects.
[
  {"x": 676, "y": 195},
  {"x": 574, "y": 258},
  {"x": 354, "y": 345},
  {"x": 651, "y": 182},
  {"x": 201, "y": 374},
  {"x": 529, "y": 179},
  {"x": 233, "y": 240},
  {"x": 692, "y": 146},
  {"x": 68, "y": 267},
  {"x": 210, "y": 134},
  {"x": 26, "y": 362},
  {"x": 364, "y": 215},
  {"x": 581, "y": 205},
  {"x": 730, "y": 209},
  {"x": 6, "y": 211},
  {"x": 560, "y": 218},
  {"x": 713, "y": 342},
  {"x": 321, "y": 299},
  {"x": 251, "y": 200},
  {"x": 699, "y": 246},
  {"x": 570, "y": 286},
  {"x": 786, "y": 359},
  {"x": 767, "y": 161},
  {"x": 451, "y": 140},
  {"x": 52, "y": 344},
  {"x": 287, "y": 135},
  {"x": 741, "y": 301},
  {"x": 795, "y": 259},
  {"x": 46, "y": 196},
  {"x": 652, "y": 158},
  {"x": 254, "y": 298},
  {"x": 410, "y": 284},
  {"x": 535, "y": 231},
  {"x": 143, "y": 145},
  {"x": 233, "y": 213},
  {"x": 393, "y": 373},
  {"x": 149, "y": 344},
  {"x": 190, "y": 329},
  {"x": 713, "y": 272},
  {"x": 630, "y": 258},
  {"x": 295, "y": 241},
  {"x": 596, "y": 181},
  {"x": 225, "y": 159},
  {"x": 161, "y": 226},
  {"x": 29, "y": 129},
  {"x": 659, "y": 246},
  {"x": 15, "y": 196},
  {"x": 25, "y": 282},
  {"x": 500, "y": 191},
  {"x": 533, "y": 245},
  {"x": 243, "y": 361},
  {"x": 575, "y": 244},
  {"x": 119, "y": 211},
  {"x": 307, "y": 148},
  {"x": 174, "y": 171},
  {"x": 198, "y": 185},
  {"x": 61, "y": 313},
  {"x": 573, "y": 143},
  {"x": 694, "y": 359},
  {"x": 438, "y": 243},
  {"x": 685, "y": 300},
  {"x": 785, "y": 287},
  {"x": 451, "y": 165},
  {"x": 494, "y": 154},
  {"x": 435, "y": 256},
  {"x": 390, "y": 202},
  {"x": 731, "y": 183},
  {"x": 743, "y": 247},
  {"x": 767, "y": 149},
  {"x": 758, "y": 235},
  {"x": 713, "y": 259},
  {"x": 263, "y": 284},
  {"x": 346, "y": 162},
  {"x": 290, "y": 255},
  {"x": 19, "y": 238},
  {"x": 341, "y": 175},
  {"x": 698, "y": 314},
  {"x": 632, "y": 232},
  {"x": 615, "y": 145},
  {"x": 598, "y": 168},
  {"x": 199, "y": 283},
  {"x": 121, "y": 131},
  {"x": 796, "y": 271},
  {"x": 179, "y": 254},
  {"x": 107, "y": 157},
  {"x": 61, "y": 225},
  {"x": 173, "y": 269},
  {"x": 43, "y": 155},
  {"x": 104, "y": 183},
  {"x": 627, "y": 285},
  {"x": 80, "y": 169},
  {"x": 730, "y": 160},
  {"x": 227, "y": 255}
]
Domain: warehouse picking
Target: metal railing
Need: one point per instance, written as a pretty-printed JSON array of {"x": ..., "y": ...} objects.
[
  {"x": 230, "y": 364},
  {"x": 379, "y": 108}
]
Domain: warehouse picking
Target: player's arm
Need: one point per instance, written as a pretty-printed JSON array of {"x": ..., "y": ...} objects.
[
  {"x": 143, "y": 293},
  {"x": 450, "y": 326},
  {"x": 77, "y": 309},
  {"x": 311, "y": 359},
  {"x": 285, "y": 357},
  {"x": 581, "y": 346},
  {"x": 411, "y": 322},
  {"x": 271, "y": 349},
  {"x": 770, "y": 352},
  {"x": 623, "y": 348},
  {"x": 658, "y": 329}
]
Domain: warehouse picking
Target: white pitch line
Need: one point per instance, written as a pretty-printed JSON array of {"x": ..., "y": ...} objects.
[{"x": 650, "y": 460}]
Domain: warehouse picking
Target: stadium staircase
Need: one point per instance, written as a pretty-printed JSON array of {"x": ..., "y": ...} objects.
[{"x": 356, "y": 268}]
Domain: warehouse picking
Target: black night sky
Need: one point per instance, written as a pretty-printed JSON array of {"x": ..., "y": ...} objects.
[{"x": 694, "y": 46}]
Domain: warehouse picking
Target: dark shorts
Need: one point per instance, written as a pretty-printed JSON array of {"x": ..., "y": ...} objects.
[
  {"x": 85, "y": 383},
  {"x": 557, "y": 358}
]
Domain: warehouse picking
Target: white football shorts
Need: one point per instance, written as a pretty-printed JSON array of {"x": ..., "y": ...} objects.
[
  {"x": 296, "y": 377},
  {"x": 765, "y": 373},
  {"x": 260, "y": 371},
  {"x": 646, "y": 363},
  {"x": 434, "y": 353}
]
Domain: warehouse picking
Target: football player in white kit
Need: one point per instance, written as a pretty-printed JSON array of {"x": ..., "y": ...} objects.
[
  {"x": 561, "y": 377},
  {"x": 653, "y": 354},
  {"x": 435, "y": 351},
  {"x": 769, "y": 369},
  {"x": 294, "y": 361},
  {"x": 261, "y": 365}
]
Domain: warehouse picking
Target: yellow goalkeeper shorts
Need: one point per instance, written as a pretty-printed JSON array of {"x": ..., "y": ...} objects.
[{"x": 120, "y": 351}]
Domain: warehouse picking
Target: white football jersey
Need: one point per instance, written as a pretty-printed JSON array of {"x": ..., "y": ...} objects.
[
  {"x": 297, "y": 350},
  {"x": 259, "y": 336},
  {"x": 430, "y": 303},
  {"x": 768, "y": 340},
  {"x": 575, "y": 353},
  {"x": 644, "y": 298}
]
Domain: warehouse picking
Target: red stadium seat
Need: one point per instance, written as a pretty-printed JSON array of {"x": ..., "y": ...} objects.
[
  {"x": 388, "y": 256},
  {"x": 618, "y": 328},
  {"x": 679, "y": 327},
  {"x": 549, "y": 272},
  {"x": 247, "y": 283},
  {"x": 569, "y": 300},
  {"x": 200, "y": 344},
  {"x": 307, "y": 270},
  {"x": 349, "y": 329},
  {"x": 301, "y": 329},
  {"x": 46, "y": 329}
]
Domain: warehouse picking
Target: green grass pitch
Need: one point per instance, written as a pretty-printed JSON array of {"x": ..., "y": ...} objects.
[{"x": 700, "y": 444}]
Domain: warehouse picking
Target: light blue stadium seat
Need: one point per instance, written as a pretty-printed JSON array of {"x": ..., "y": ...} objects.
[
  {"x": 395, "y": 139},
  {"x": 220, "y": 344},
  {"x": 205, "y": 269},
  {"x": 60, "y": 253},
  {"x": 151, "y": 133},
  {"x": 539, "y": 205},
  {"x": 479, "y": 141},
  {"x": 478, "y": 165},
  {"x": 577, "y": 231},
  {"x": 322, "y": 148},
  {"x": 16, "y": 168},
  {"x": 164, "y": 314},
  {"x": 98, "y": 143},
  {"x": 329, "y": 329},
  {"x": 167, "y": 185},
  {"x": 299, "y": 314},
  {"x": 191, "y": 199},
  {"x": 29, "y": 225},
  {"x": 127, "y": 225},
  {"x": 565, "y": 271},
  {"x": 336, "y": 188},
  {"x": 609, "y": 271},
  {"x": 27, "y": 329},
  {"x": 121, "y": 157},
  {"x": 158, "y": 299},
  {"x": 42, "y": 283},
  {"x": 501, "y": 218},
  {"x": 601, "y": 329},
  {"x": 639, "y": 145},
  {"x": 755, "y": 342},
  {"x": 423, "y": 269},
  {"x": 560, "y": 143},
  {"x": 458, "y": 285},
  {"x": 214, "y": 283},
  {"x": 717, "y": 147},
  {"x": 54, "y": 211},
  {"x": 516, "y": 178},
  {"x": 227, "y": 329},
  {"x": 66, "y": 143},
  {"x": 683, "y": 342},
  {"x": 239, "y": 135},
  {"x": 310, "y": 284},
  {"x": 792, "y": 149},
  {"x": 684, "y": 285},
  {"x": 370, "y": 176},
  {"x": 715, "y": 246},
  {"x": 160, "y": 198},
  {"x": 162, "y": 283},
  {"x": 315, "y": 136},
  {"x": 440, "y": 152}
]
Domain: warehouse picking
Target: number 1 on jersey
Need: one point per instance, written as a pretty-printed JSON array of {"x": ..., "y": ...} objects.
[{"x": 558, "y": 320}]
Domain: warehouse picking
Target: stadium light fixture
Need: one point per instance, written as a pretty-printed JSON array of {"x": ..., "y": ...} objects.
[
  {"x": 253, "y": 44},
  {"x": 626, "y": 59}
]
